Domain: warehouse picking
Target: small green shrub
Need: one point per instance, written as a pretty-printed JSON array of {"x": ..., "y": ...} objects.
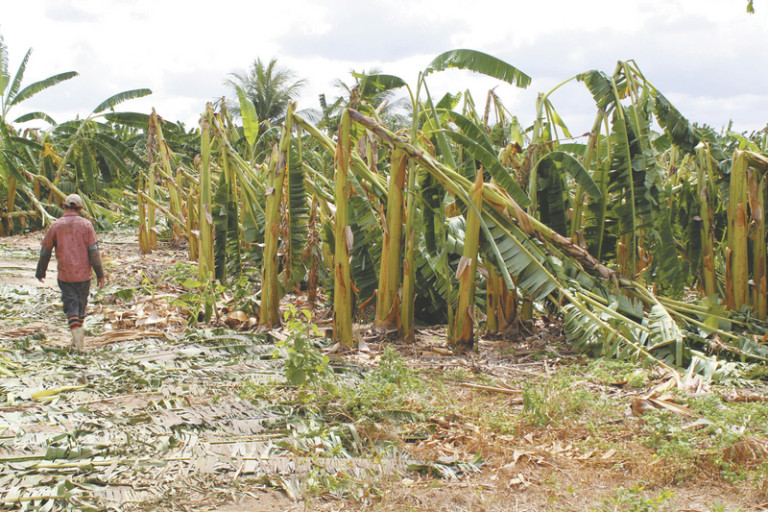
[{"x": 304, "y": 363}]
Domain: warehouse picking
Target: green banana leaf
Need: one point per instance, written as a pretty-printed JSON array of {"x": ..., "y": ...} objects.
[
  {"x": 479, "y": 62},
  {"x": 121, "y": 97}
]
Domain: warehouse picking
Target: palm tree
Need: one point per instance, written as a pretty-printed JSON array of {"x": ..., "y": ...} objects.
[
  {"x": 365, "y": 95},
  {"x": 270, "y": 87}
]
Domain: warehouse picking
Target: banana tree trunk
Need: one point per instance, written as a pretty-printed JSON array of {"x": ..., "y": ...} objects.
[
  {"x": 205, "y": 221},
  {"x": 737, "y": 231},
  {"x": 313, "y": 254},
  {"x": 708, "y": 276},
  {"x": 151, "y": 211},
  {"x": 166, "y": 172},
  {"x": 493, "y": 291},
  {"x": 707, "y": 245},
  {"x": 508, "y": 315},
  {"x": 270, "y": 284},
  {"x": 145, "y": 245},
  {"x": 387, "y": 304},
  {"x": 11, "y": 205},
  {"x": 407, "y": 296},
  {"x": 462, "y": 335},
  {"x": 502, "y": 308},
  {"x": 756, "y": 202},
  {"x": 194, "y": 239},
  {"x": 342, "y": 283},
  {"x": 730, "y": 302}
]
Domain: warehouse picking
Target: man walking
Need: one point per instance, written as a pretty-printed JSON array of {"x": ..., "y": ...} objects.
[{"x": 77, "y": 251}]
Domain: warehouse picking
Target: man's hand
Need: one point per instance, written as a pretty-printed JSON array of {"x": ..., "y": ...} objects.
[
  {"x": 42, "y": 280},
  {"x": 100, "y": 282}
]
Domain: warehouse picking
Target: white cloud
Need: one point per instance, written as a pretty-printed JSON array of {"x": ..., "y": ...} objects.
[{"x": 706, "y": 56}]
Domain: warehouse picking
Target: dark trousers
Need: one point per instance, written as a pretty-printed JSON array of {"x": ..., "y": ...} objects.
[{"x": 74, "y": 297}]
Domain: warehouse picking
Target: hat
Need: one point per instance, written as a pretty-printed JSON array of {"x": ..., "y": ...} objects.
[{"x": 73, "y": 201}]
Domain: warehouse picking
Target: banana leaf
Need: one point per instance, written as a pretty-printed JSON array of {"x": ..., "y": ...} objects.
[
  {"x": 675, "y": 125},
  {"x": 249, "y": 116},
  {"x": 298, "y": 218},
  {"x": 480, "y": 63},
  {"x": 500, "y": 174},
  {"x": 121, "y": 97},
  {"x": 35, "y": 115},
  {"x": 36, "y": 87}
]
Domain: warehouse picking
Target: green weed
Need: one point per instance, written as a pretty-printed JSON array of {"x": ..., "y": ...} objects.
[
  {"x": 610, "y": 371},
  {"x": 555, "y": 402},
  {"x": 632, "y": 500},
  {"x": 390, "y": 391}
]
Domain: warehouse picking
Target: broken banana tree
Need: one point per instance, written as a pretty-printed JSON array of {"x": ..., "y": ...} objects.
[
  {"x": 549, "y": 266},
  {"x": 462, "y": 335},
  {"x": 270, "y": 293},
  {"x": 342, "y": 283}
]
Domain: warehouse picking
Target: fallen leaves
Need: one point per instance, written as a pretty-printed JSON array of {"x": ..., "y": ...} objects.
[
  {"x": 750, "y": 452},
  {"x": 47, "y": 395},
  {"x": 122, "y": 336},
  {"x": 20, "y": 332},
  {"x": 654, "y": 400},
  {"x": 239, "y": 320}
]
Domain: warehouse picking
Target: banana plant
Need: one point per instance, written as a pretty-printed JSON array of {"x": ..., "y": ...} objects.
[
  {"x": 554, "y": 220},
  {"x": 427, "y": 125},
  {"x": 205, "y": 220},
  {"x": 387, "y": 300},
  {"x": 11, "y": 92},
  {"x": 16, "y": 151},
  {"x": 342, "y": 283},
  {"x": 462, "y": 335},
  {"x": 279, "y": 163}
]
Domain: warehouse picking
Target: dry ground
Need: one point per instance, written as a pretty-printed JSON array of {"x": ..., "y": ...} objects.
[{"x": 565, "y": 466}]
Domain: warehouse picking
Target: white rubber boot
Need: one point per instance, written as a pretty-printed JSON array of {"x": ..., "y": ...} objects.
[{"x": 78, "y": 339}]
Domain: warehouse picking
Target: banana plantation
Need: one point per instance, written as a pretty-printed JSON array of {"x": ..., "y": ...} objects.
[
  {"x": 645, "y": 236},
  {"x": 390, "y": 216}
]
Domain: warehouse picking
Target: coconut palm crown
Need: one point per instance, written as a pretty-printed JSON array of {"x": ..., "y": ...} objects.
[{"x": 270, "y": 88}]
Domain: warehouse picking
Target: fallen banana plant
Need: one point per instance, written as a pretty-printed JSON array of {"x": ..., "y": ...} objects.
[{"x": 605, "y": 313}]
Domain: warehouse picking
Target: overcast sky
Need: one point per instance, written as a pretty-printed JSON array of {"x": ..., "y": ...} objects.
[{"x": 708, "y": 57}]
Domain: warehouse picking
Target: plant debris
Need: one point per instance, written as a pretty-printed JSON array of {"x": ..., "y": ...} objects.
[{"x": 161, "y": 414}]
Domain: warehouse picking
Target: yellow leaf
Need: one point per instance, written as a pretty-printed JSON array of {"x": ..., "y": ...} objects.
[{"x": 46, "y": 394}]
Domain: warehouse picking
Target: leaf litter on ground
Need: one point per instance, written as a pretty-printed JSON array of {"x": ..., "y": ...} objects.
[{"x": 159, "y": 414}]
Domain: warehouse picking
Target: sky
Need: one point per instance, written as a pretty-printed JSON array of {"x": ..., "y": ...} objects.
[{"x": 708, "y": 57}]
